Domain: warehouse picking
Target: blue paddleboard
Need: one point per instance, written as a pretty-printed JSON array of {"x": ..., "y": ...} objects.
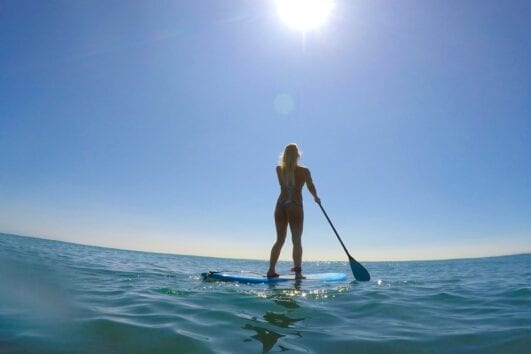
[{"x": 255, "y": 278}]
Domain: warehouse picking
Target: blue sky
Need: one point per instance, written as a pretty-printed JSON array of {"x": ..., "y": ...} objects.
[{"x": 157, "y": 125}]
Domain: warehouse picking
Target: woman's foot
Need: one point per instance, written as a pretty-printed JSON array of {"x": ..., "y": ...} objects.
[
  {"x": 272, "y": 274},
  {"x": 298, "y": 273},
  {"x": 299, "y": 276}
]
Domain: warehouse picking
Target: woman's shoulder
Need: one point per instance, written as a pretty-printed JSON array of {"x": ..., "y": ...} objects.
[{"x": 303, "y": 169}]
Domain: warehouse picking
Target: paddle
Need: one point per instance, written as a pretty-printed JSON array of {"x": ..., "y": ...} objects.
[{"x": 359, "y": 271}]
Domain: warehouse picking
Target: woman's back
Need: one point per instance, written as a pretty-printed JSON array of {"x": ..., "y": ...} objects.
[{"x": 292, "y": 191}]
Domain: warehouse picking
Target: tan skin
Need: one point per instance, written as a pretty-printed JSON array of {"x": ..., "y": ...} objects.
[{"x": 291, "y": 214}]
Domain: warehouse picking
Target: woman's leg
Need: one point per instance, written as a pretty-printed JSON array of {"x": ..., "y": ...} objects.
[
  {"x": 296, "y": 221},
  {"x": 281, "y": 223}
]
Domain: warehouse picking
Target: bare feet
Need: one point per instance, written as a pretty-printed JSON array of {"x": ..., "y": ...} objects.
[
  {"x": 299, "y": 276},
  {"x": 298, "y": 273},
  {"x": 272, "y": 274}
]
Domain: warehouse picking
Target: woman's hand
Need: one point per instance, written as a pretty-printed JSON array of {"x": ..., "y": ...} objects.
[{"x": 317, "y": 199}]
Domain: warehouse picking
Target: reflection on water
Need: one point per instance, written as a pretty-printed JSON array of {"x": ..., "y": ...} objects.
[
  {"x": 267, "y": 337},
  {"x": 287, "y": 302},
  {"x": 280, "y": 320},
  {"x": 286, "y": 297}
]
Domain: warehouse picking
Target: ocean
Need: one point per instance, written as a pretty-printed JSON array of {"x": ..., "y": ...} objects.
[{"x": 58, "y": 297}]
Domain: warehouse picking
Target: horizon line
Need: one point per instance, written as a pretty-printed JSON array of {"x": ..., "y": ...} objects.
[{"x": 257, "y": 259}]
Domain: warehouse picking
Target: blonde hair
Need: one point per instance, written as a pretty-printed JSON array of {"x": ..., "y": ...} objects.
[{"x": 288, "y": 163}]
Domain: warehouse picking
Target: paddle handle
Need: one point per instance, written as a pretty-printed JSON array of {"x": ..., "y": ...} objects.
[{"x": 335, "y": 231}]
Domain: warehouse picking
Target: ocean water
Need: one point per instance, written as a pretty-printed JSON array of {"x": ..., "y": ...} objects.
[{"x": 57, "y": 297}]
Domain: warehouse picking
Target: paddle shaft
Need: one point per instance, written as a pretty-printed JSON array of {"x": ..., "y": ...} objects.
[{"x": 335, "y": 231}]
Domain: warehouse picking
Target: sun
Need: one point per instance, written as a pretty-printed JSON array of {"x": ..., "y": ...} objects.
[{"x": 304, "y": 15}]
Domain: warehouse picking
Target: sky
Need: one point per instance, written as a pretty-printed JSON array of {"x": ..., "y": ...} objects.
[{"x": 157, "y": 126}]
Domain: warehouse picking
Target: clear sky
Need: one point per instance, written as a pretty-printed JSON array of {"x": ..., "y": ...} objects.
[{"x": 157, "y": 125}]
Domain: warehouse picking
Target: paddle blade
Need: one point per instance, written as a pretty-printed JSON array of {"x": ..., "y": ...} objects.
[{"x": 359, "y": 271}]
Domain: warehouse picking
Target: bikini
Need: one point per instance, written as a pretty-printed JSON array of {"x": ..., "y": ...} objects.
[{"x": 284, "y": 204}]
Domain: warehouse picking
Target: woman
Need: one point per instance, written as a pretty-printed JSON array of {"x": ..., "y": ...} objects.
[{"x": 288, "y": 210}]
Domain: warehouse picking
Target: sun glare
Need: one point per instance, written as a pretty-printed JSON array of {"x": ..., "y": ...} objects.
[{"x": 304, "y": 15}]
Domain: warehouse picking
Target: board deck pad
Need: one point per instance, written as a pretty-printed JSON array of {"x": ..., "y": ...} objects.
[{"x": 256, "y": 278}]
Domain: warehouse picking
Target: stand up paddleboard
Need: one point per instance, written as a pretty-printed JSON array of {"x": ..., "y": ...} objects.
[{"x": 255, "y": 278}]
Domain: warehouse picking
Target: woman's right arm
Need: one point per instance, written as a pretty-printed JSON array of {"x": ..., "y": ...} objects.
[{"x": 311, "y": 186}]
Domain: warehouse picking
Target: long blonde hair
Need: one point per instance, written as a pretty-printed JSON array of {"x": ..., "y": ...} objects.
[{"x": 288, "y": 163}]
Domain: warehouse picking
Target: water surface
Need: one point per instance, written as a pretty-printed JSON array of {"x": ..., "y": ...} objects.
[{"x": 58, "y": 297}]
